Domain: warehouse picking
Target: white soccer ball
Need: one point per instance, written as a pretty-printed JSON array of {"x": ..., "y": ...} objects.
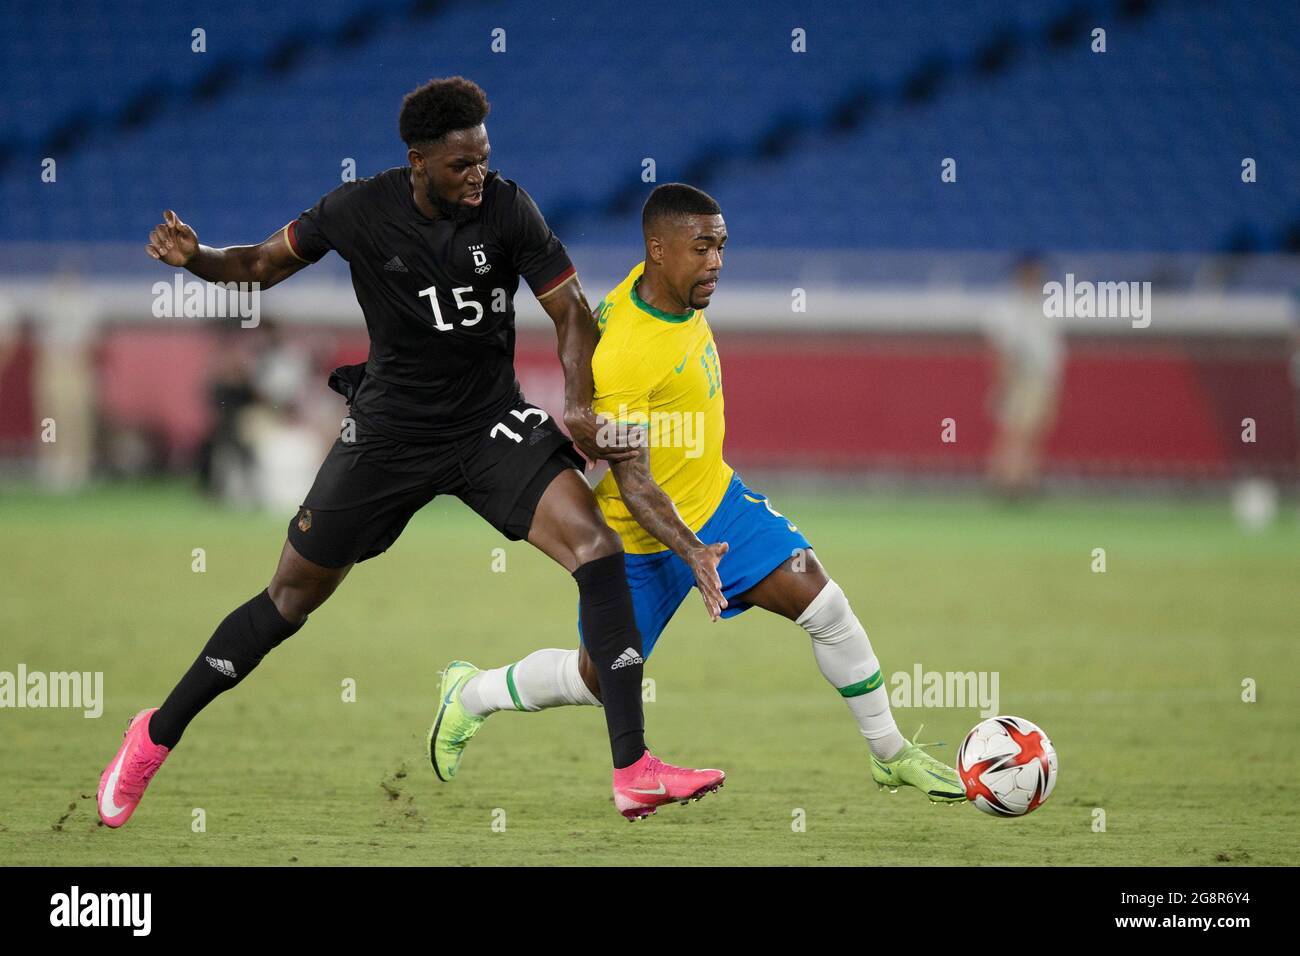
[{"x": 1007, "y": 765}]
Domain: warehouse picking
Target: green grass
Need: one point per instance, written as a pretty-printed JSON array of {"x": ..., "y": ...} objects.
[{"x": 1136, "y": 674}]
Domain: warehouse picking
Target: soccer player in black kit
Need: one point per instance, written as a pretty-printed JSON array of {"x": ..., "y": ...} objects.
[{"x": 436, "y": 251}]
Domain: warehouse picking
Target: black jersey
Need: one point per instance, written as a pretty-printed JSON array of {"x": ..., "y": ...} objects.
[{"x": 438, "y": 298}]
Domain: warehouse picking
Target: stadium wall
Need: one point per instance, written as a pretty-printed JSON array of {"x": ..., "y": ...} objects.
[
  {"x": 861, "y": 379},
  {"x": 1170, "y": 407}
]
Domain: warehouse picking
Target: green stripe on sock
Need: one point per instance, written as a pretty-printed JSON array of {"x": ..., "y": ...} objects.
[
  {"x": 510, "y": 683},
  {"x": 855, "y": 690}
]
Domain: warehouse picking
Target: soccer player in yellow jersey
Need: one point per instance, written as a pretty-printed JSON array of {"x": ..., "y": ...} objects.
[{"x": 686, "y": 518}]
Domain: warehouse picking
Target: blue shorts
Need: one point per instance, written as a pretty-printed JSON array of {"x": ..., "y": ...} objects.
[{"x": 759, "y": 541}]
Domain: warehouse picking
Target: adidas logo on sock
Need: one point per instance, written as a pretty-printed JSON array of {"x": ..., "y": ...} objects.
[
  {"x": 395, "y": 265},
  {"x": 626, "y": 659},
  {"x": 224, "y": 667}
]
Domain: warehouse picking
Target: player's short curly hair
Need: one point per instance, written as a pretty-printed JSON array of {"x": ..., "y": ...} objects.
[
  {"x": 677, "y": 200},
  {"x": 431, "y": 111}
]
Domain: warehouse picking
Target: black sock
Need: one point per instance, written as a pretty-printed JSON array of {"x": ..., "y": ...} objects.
[
  {"x": 239, "y": 643},
  {"x": 614, "y": 644}
]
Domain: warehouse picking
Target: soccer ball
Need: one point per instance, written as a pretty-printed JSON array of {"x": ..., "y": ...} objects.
[{"x": 1007, "y": 765}]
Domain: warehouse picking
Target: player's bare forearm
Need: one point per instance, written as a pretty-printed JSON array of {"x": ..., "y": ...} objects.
[
  {"x": 575, "y": 331},
  {"x": 576, "y": 335},
  {"x": 651, "y": 507},
  {"x": 655, "y": 512},
  {"x": 231, "y": 264},
  {"x": 266, "y": 263}
]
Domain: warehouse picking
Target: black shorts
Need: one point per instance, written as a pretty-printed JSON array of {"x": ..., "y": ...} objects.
[{"x": 368, "y": 488}]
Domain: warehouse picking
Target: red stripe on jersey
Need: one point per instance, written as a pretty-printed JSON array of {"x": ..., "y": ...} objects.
[{"x": 558, "y": 281}]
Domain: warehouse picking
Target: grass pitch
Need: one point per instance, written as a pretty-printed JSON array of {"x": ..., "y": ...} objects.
[{"x": 1136, "y": 674}]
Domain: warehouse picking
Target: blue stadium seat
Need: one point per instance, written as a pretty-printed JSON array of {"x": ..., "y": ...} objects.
[{"x": 1137, "y": 148}]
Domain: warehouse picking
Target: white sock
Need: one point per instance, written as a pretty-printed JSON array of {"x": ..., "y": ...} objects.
[
  {"x": 545, "y": 678},
  {"x": 846, "y": 659}
]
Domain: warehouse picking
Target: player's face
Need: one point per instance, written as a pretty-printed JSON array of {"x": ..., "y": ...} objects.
[
  {"x": 454, "y": 169},
  {"x": 692, "y": 257}
]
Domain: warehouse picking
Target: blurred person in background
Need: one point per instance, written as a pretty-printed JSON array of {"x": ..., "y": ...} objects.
[
  {"x": 10, "y": 334},
  {"x": 1295, "y": 367},
  {"x": 264, "y": 436},
  {"x": 276, "y": 428},
  {"x": 64, "y": 385},
  {"x": 1026, "y": 388},
  {"x": 224, "y": 459},
  {"x": 267, "y": 420}
]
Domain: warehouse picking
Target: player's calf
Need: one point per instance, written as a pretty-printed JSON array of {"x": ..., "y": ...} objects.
[
  {"x": 847, "y": 661},
  {"x": 568, "y": 527},
  {"x": 247, "y": 634},
  {"x": 544, "y": 679},
  {"x": 550, "y": 677}
]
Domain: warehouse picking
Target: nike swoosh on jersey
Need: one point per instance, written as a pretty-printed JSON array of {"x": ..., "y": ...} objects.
[
  {"x": 678, "y": 368},
  {"x": 109, "y": 807}
]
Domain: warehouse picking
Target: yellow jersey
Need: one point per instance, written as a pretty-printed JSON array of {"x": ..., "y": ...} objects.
[{"x": 661, "y": 371}]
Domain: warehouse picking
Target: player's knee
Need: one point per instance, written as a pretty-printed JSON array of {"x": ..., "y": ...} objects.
[
  {"x": 804, "y": 561},
  {"x": 296, "y": 598},
  {"x": 287, "y": 601},
  {"x": 299, "y": 586},
  {"x": 597, "y": 541},
  {"x": 828, "y": 617}
]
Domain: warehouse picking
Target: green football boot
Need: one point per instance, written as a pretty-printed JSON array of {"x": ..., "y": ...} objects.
[
  {"x": 453, "y": 726},
  {"x": 916, "y": 768}
]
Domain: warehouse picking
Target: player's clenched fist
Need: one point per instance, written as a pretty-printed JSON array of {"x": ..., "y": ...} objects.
[{"x": 171, "y": 241}]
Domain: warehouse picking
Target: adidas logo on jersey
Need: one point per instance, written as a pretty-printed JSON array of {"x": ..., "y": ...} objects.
[
  {"x": 395, "y": 264},
  {"x": 626, "y": 659},
  {"x": 224, "y": 667}
]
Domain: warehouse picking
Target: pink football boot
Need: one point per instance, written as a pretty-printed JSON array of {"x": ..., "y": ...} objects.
[
  {"x": 650, "y": 783},
  {"x": 123, "y": 781}
]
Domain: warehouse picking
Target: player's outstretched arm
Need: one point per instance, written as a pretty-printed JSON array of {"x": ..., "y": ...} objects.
[
  {"x": 266, "y": 263},
  {"x": 575, "y": 327},
  {"x": 655, "y": 511}
]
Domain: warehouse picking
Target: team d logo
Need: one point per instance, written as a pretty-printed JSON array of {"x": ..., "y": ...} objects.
[{"x": 481, "y": 266}]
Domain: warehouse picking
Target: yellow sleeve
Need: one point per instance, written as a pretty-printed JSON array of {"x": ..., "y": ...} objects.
[{"x": 624, "y": 385}]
